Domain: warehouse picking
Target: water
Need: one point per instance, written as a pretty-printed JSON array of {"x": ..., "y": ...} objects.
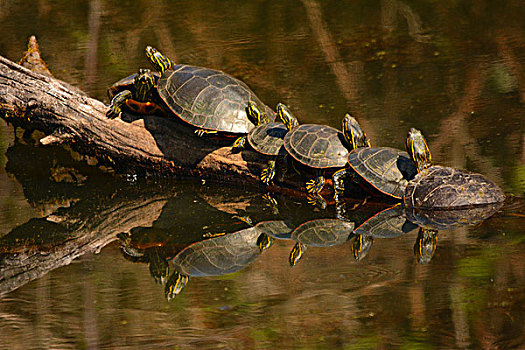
[{"x": 454, "y": 70}]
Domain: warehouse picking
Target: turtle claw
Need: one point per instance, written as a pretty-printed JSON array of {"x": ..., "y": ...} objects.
[{"x": 202, "y": 132}]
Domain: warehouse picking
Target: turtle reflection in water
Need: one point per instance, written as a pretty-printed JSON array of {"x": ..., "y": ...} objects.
[
  {"x": 272, "y": 230},
  {"x": 389, "y": 223},
  {"x": 213, "y": 257},
  {"x": 431, "y": 221},
  {"x": 154, "y": 255},
  {"x": 397, "y": 221},
  {"x": 319, "y": 233}
]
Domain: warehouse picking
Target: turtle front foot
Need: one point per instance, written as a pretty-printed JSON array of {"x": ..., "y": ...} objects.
[
  {"x": 271, "y": 203},
  {"x": 315, "y": 186},
  {"x": 113, "y": 112},
  {"x": 316, "y": 200},
  {"x": 268, "y": 173},
  {"x": 239, "y": 144},
  {"x": 202, "y": 132}
]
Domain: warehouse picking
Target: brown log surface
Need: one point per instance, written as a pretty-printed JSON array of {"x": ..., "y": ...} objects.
[{"x": 146, "y": 145}]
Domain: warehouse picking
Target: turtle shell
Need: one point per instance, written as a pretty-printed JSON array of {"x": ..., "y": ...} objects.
[
  {"x": 448, "y": 219},
  {"x": 268, "y": 138},
  {"x": 220, "y": 255},
  {"x": 389, "y": 223},
  {"x": 448, "y": 188},
  {"x": 323, "y": 232},
  {"x": 209, "y": 99},
  {"x": 317, "y": 146},
  {"x": 386, "y": 169},
  {"x": 277, "y": 229}
]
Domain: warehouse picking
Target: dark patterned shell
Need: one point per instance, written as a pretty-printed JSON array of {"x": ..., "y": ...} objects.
[
  {"x": 317, "y": 146},
  {"x": 448, "y": 188},
  {"x": 220, "y": 255},
  {"x": 386, "y": 169},
  {"x": 323, "y": 232},
  {"x": 209, "y": 99},
  {"x": 277, "y": 229},
  {"x": 447, "y": 219},
  {"x": 268, "y": 138},
  {"x": 389, "y": 223}
]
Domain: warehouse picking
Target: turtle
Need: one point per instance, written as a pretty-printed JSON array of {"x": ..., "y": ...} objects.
[
  {"x": 213, "y": 257},
  {"x": 321, "y": 148},
  {"x": 209, "y": 100},
  {"x": 319, "y": 233},
  {"x": 439, "y": 187},
  {"x": 268, "y": 137},
  {"x": 383, "y": 170},
  {"x": 388, "y": 223}
]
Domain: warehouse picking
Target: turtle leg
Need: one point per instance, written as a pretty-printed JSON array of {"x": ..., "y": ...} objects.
[
  {"x": 317, "y": 200},
  {"x": 296, "y": 253},
  {"x": 117, "y": 102},
  {"x": 239, "y": 144},
  {"x": 281, "y": 165},
  {"x": 271, "y": 203},
  {"x": 202, "y": 132},
  {"x": 268, "y": 173},
  {"x": 316, "y": 185},
  {"x": 339, "y": 186}
]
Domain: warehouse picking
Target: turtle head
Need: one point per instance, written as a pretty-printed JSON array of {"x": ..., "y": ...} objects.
[
  {"x": 286, "y": 117},
  {"x": 418, "y": 149},
  {"x": 158, "y": 60},
  {"x": 425, "y": 245},
  {"x": 174, "y": 285},
  {"x": 254, "y": 114},
  {"x": 296, "y": 254},
  {"x": 144, "y": 82},
  {"x": 361, "y": 246},
  {"x": 264, "y": 242},
  {"x": 354, "y": 135}
]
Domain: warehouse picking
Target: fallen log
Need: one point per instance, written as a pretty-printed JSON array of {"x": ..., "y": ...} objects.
[{"x": 143, "y": 146}]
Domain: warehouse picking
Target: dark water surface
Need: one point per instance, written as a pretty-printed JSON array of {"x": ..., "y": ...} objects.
[{"x": 454, "y": 69}]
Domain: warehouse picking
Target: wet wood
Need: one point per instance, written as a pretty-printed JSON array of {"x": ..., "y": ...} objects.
[{"x": 69, "y": 234}]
